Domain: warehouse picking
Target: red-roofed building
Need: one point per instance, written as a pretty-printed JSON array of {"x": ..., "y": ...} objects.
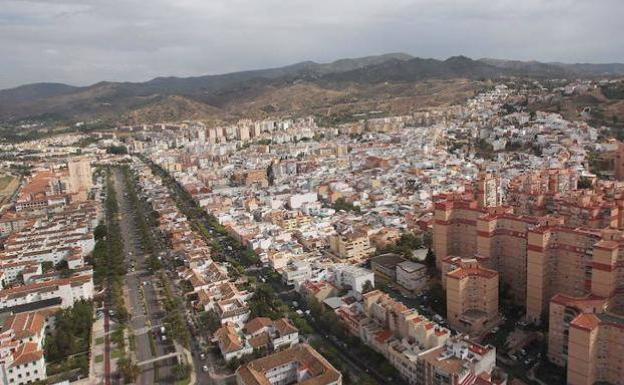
[{"x": 21, "y": 349}]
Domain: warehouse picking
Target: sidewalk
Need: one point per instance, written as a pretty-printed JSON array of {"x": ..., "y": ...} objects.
[{"x": 96, "y": 363}]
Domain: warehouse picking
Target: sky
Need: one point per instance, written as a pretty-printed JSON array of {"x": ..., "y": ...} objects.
[{"x": 81, "y": 42}]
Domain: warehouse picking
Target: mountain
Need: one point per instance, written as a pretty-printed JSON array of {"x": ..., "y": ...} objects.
[
  {"x": 31, "y": 92},
  {"x": 347, "y": 82},
  {"x": 559, "y": 69}
]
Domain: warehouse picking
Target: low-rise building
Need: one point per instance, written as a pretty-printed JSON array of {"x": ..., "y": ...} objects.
[
  {"x": 384, "y": 266},
  {"x": 411, "y": 275},
  {"x": 300, "y": 364},
  {"x": 352, "y": 277},
  {"x": 21, "y": 349}
]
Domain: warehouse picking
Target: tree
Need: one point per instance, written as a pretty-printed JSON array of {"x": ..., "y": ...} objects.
[
  {"x": 210, "y": 320},
  {"x": 584, "y": 183},
  {"x": 430, "y": 259},
  {"x": 47, "y": 266},
  {"x": 342, "y": 204},
  {"x": 427, "y": 239},
  {"x": 438, "y": 298},
  {"x": 233, "y": 364},
  {"x": 128, "y": 369},
  {"x": 99, "y": 232},
  {"x": 72, "y": 332},
  {"x": 182, "y": 371},
  {"x": 117, "y": 150}
]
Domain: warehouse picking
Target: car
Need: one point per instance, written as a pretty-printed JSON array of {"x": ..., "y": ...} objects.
[
  {"x": 205, "y": 368},
  {"x": 202, "y": 356}
]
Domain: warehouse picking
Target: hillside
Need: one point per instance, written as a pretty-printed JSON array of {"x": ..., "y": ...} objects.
[{"x": 306, "y": 87}]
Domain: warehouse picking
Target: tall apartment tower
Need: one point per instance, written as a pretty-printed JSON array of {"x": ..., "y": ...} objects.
[
  {"x": 488, "y": 190},
  {"x": 472, "y": 297},
  {"x": 618, "y": 161}
]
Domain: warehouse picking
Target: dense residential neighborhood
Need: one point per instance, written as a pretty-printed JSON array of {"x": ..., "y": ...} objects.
[{"x": 469, "y": 244}]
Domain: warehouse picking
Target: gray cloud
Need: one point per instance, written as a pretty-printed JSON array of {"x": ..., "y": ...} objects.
[{"x": 85, "y": 41}]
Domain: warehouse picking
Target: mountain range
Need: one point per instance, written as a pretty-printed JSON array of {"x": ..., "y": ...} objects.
[{"x": 303, "y": 87}]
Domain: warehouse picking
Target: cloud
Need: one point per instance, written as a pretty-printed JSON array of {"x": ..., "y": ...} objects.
[{"x": 85, "y": 41}]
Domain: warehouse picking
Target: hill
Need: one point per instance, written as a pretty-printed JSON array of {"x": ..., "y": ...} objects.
[{"x": 306, "y": 87}]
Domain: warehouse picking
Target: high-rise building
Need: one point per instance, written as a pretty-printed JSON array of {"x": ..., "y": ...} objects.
[
  {"x": 489, "y": 191},
  {"x": 471, "y": 297},
  {"x": 595, "y": 349}
]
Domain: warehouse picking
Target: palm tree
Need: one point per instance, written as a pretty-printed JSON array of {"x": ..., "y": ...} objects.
[{"x": 129, "y": 370}]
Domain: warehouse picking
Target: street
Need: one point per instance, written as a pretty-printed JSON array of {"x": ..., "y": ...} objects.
[{"x": 142, "y": 298}]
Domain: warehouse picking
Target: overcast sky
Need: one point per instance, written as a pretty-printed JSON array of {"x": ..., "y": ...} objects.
[{"x": 81, "y": 42}]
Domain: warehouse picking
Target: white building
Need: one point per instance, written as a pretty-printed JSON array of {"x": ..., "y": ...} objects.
[
  {"x": 295, "y": 273},
  {"x": 353, "y": 277}
]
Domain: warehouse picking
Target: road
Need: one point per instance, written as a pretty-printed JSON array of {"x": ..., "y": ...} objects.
[{"x": 142, "y": 297}]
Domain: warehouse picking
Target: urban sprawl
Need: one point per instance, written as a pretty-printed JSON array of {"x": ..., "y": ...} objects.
[{"x": 471, "y": 244}]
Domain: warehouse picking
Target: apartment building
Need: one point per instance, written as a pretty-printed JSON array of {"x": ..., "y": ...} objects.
[
  {"x": 488, "y": 190},
  {"x": 278, "y": 334},
  {"x": 472, "y": 297},
  {"x": 21, "y": 349},
  {"x": 68, "y": 290},
  {"x": 536, "y": 256},
  {"x": 459, "y": 362},
  {"x": 563, "y": 310},
  {"x": 595, "y": 349},
  {"x": 353, "y": 245},
  {"x": 618, "y": 160},
  {"x": 385, "y": 314},
  {"x": 422, "y": 351},
  {"x": 532, "y": 193},
  {"x": 300, "y": 364},
  {"x": 559, "y": 260},
  {"x": 233, "y": 311},
  {"x": 296, "y": 272},
  {"x": 587, "y": 315},
  {"x": 455, "y": 226}
]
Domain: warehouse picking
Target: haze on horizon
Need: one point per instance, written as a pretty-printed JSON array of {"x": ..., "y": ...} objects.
[{"x": 81, "y": 42}]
